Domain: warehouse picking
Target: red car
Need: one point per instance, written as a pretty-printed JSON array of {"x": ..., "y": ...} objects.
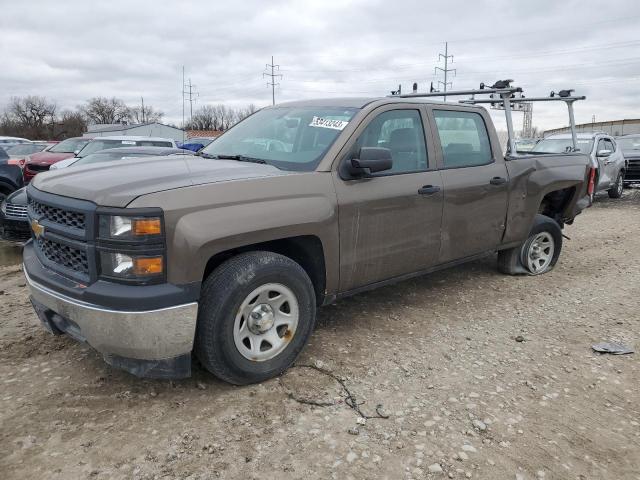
[{"x": 41, "y": 161}]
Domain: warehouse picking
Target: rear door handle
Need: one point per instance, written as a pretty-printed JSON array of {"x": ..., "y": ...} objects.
[
  {"x": 498, "y": 181},
  {"x": 429, "y": 190}
]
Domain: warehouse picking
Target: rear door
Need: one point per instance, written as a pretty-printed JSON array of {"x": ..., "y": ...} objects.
[
  {"x": 390, "y": 221},
  {"x": 475, "y": 183}
]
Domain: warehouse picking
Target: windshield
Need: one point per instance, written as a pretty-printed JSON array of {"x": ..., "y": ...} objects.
[
  {"x": 289, "y": 138},
  {"x": 110, "y": 156},
  {"x": 70, "y": 145},
  {"x": 97, "y": 145},
  {"x": 562, "y": 145},
  {"x": 629, "y": 145},
  {"x": 25, "y": 149}
]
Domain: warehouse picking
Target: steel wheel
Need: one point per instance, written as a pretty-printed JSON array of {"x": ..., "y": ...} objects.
[
  {"x": 266, "y": 322},
  {"x": 539, "y": 255}
]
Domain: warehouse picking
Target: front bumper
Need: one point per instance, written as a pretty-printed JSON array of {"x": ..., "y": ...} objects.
[{"x": 151, "y": 343}]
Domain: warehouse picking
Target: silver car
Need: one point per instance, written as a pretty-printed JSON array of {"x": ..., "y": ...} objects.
[{"x": 606, "y": 157}]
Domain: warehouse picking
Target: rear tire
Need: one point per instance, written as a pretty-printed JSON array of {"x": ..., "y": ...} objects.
[
  {"x": 538, "y": 254},
  {"x": 618, "y": 188},
  {"x": 256, "y": 313}
]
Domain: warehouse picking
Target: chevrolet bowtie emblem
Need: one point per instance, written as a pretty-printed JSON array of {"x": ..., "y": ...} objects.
[{"x": 38, "y": 229}]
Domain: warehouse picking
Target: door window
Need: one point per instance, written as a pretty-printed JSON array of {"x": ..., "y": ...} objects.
[
  {"x": 608, "y": 144},
  {"x": 402, "y": 133},
  {"x": 464, "y": 138}
]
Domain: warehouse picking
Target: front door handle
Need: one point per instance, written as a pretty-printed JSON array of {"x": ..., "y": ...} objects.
[
  {"x": 429, "y": 190},
  {"x": 498, "y": 181}
]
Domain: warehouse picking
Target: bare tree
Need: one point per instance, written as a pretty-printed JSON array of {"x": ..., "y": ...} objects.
[
  {"x": 106, "y": 110},
  {"x": 34, "y": 115},
  {"x": 70, "y": 124},
  {"x": 149, "y": 114},
  {"x": 204, "y": 118}
]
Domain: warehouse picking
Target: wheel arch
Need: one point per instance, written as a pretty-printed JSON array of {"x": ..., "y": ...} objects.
[{"x": 305, "y": 250}]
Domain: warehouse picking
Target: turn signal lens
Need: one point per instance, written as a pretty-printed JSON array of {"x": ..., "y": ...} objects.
[
  {"x": 146, "y": 226},
  {"x": 147, "y": 266}
]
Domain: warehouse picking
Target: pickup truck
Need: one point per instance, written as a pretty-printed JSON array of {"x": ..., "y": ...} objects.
[{"x": 227, "y": 255}]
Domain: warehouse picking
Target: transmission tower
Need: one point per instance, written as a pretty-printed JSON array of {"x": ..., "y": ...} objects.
[
  {"x": 190, "y": 92},
  {"x": 272, "y": 76},
  {"x": 446, "y": 69}
]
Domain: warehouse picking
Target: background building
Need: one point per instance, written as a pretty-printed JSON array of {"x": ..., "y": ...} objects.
[
  {"x": 614, "y": 127},
  {"x": 153, "y": 129}
]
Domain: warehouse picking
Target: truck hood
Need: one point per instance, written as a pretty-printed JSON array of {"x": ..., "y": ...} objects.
[{"x": 116, "y": 184}]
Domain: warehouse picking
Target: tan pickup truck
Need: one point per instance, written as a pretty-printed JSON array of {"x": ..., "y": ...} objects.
[{"x": 227, "y": 255}]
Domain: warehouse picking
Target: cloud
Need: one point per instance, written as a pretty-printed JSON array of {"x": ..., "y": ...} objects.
[{"x": 74, "y": 50}]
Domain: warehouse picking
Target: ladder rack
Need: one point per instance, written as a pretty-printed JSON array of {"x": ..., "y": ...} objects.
[{"x": 506, "y": 94}]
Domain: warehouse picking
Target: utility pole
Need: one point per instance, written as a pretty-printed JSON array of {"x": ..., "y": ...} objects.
[
  {"x": 192, "y": 94},
  {"x": 446, "y": 69},
  {"x": 142, "y": 109},
  {"x": 272, "y": 76}
]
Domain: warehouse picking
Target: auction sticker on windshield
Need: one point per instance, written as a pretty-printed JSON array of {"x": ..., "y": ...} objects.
[{"x": 327, "y": 123}]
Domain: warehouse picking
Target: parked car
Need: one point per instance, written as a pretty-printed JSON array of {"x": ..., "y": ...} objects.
[
  {"x": 104, "y": 143},
  {"x": 630, "y": 145},
  {"x": 42, "y": 161},
  {"x": 6, "y": 142},
  {"x": 605, "y": 156},
  {"x": 14, "y": 224},
  {"x": 526, "y": 144},
  {"x": 197, "y": 143},
  {"x": 10, "y": 178},
  {"x": 18, "y": 154},
  {"x": 120, "y": 153},
  {"x": 228, "y": 255}
]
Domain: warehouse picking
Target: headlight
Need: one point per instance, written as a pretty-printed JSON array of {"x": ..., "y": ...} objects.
[
  {"x": 3, "y": 207},
  {"x": 130, "y": 266},
  {"x": 119, "y": 227},
  {"x": 131, "y": 245}
]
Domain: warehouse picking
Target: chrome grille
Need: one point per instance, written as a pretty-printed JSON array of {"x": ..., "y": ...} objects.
[
  {"x": 57, "y": 215},
  {"x": 14, "y": 210},
  {"x": 64, "y": 255}
]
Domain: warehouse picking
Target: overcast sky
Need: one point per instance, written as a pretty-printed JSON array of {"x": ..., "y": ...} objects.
[{"x": 73, "y": 50}]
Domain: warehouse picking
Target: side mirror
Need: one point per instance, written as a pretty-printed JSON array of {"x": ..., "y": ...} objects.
[
  {"x": 370, "y": 160},
  {"x": 604, "y": 153}
]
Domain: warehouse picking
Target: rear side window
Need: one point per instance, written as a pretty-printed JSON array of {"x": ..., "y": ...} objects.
[
  {"x": 464, "y": 139},
  {"x": 153, "y": 143}
]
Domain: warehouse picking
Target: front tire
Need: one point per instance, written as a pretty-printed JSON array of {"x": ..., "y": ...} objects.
[
  {"x": 256, "y": 313},
  {"x": 617, "y": 189},
  {"x": 538, "y": 254}
]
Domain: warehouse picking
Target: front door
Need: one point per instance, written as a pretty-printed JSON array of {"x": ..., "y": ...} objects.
[
  {"x": 605, "y": 163},
  {"x": 475, "y": 183},
  {"x": 390, "y": 221}
]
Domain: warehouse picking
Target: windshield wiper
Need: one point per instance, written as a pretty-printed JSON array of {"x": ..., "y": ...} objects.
[{"x": 239, "y": 158}]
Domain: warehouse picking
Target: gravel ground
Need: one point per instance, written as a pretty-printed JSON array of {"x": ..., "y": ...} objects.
[{"x": 481, "y": 376}]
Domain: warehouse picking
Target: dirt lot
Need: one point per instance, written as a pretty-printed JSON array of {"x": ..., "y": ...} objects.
[{"x": 464, "y": 398}]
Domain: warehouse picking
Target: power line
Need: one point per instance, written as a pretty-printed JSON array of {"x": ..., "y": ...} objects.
[
  {"x": 446, "y": 68},
  {"x": 191, "y": 92},
  {"x": 272, "y": 75}
]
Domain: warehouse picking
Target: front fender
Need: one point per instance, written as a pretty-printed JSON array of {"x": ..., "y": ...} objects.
[{"x": 205, "y": 220}]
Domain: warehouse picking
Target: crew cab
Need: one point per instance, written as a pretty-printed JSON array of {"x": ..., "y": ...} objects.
[{"x": 227, "y": 255}]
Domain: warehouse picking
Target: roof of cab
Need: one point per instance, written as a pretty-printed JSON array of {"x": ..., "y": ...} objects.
[{"x": 361, "y": 102}]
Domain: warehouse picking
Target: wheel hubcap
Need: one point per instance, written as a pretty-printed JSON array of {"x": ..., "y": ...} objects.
[
  {"x": 266, "y": 322},
  {"x": 540, "y": 252},
  {"x": 620, "y": 185}
]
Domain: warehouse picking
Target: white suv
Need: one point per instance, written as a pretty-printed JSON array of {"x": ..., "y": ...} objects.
[{"x": 605, "y": 155}]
